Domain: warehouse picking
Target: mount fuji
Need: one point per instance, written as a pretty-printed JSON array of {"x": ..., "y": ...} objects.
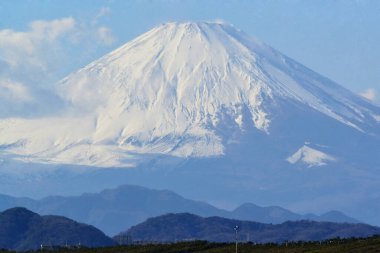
[{"x": 210, "y": 112}]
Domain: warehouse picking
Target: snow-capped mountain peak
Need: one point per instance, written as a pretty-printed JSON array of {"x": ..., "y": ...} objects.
[
  {"x": 187, "y": 71},
  {"x": 172, "y": 91}
]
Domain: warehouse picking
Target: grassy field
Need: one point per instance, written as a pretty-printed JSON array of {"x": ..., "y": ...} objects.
[{"x": 368, "y": 245}]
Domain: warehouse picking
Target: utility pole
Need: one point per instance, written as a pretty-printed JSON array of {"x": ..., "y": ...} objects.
[{"x": 236, "y": 238}]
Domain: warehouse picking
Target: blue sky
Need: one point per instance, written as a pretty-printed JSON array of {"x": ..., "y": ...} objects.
[{"x": 43, "y": 41}]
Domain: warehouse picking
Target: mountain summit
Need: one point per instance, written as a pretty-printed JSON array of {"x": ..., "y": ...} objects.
[{"x": 183, "y": 90}]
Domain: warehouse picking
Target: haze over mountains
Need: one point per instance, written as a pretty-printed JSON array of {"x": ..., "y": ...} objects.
[
  {"x": 115, "y": 210},
  {"x": 209, "y": 112}
]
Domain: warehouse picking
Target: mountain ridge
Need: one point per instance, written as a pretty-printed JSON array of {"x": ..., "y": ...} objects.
[
  {"x": 185, "y": 226},
  {"x": 113, "y": 210}
]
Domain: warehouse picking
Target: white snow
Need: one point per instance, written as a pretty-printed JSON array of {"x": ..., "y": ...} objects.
[
  {"x": 309, "y": 156},
  {"x": 166, "y": 92}
]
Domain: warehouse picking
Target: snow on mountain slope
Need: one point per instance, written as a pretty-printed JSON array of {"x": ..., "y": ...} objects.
[{"x": 169, "y": 91}]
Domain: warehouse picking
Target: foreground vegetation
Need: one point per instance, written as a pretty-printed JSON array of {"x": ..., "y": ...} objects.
[{"x": 368, "y": 245}]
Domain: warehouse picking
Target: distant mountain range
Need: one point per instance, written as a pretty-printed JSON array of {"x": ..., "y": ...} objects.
[
  {"x": 184, "y": 226},
  {"x": 21, "y": 230},
  {"x": 116, "y": 210},
  {"x": 277, "y": 215}
]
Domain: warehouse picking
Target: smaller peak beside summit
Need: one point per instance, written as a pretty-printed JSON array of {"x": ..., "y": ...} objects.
[{"x": 310, "y": 156}]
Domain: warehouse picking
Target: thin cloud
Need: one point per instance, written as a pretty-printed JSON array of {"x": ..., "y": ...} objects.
[
  {"x": 104, "y": 11},
  {"x": 13, "y": 90},
  {"x": 32, "y": 47},
  {"x": 51, "y": 30},
  {"x": 27, "y": 48},
  {"x": 105, "y": 36},
  {"x": 219, "y": 21},
  {"x": 102, "y": 34},
  {"x": 369, "y": 94},
  {"x": 32, "y": 61}
]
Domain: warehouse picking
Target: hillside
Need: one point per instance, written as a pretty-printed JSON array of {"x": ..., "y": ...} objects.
[
  {"x": 21, "y": 230},
  {"x": 183, "y": 227}
]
